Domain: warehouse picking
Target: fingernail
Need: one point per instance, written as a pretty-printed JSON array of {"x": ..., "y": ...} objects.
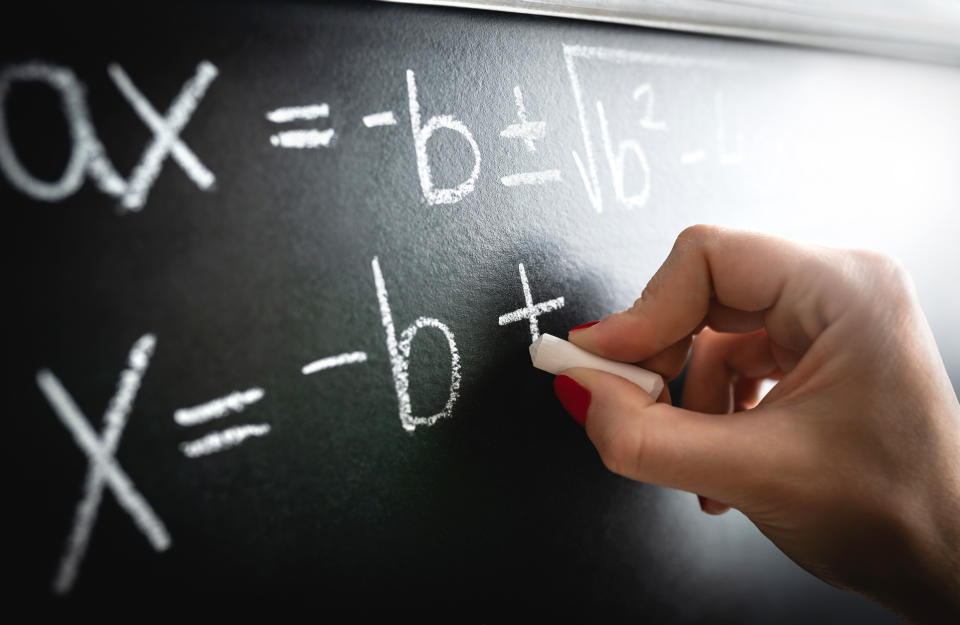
[
  {"x": 584, "y": 326},
  {"x": 575, "y": 398}
]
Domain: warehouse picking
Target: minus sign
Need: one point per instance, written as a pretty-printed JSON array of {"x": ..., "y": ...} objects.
[
  {"x": 334, "y": 361},
  {"x": 379, "y": 119}
]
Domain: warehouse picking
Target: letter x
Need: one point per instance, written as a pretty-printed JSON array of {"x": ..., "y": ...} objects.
[
  {"x": 103, "y": 469},
  {"x": 166, "y": 131}
]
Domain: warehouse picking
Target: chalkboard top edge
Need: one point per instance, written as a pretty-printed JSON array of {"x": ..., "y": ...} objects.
[{"x": 934, "y": 38}]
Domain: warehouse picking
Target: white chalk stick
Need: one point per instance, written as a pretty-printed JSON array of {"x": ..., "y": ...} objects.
[{"x": 554, "y": 355}]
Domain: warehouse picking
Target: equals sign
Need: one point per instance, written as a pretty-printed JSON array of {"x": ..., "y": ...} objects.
[
  {"x": 217, "y": 409},
  {"x": 301, "y": 139}
]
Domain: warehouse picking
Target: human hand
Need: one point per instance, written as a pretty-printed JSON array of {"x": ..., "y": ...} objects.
[{"x": 850, "y": 464}]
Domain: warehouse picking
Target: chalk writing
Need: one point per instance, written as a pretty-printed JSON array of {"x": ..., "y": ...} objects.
[
  {"x": 399, "y": 352},
  {"x": 526, "y": 130},
  {"x": 166, "y": 133},
  {"x": 616, "y": 155},
  {"x": 530, "y": 311},
  {"x": 422, "y": 134},
  {"x": 87, "y": 155},
  {"x": 529, "y": 132},
  {"x": 531, "y": 177},
  {"x": 104, "y": 469},
  {"x": 645, "y": 92},
  {"x": 307, "y": 112},
  {"x": 301, "y": 139},
  {"x": 728, "y": 155},
  {"x": 334, "y": 361},
  {"x": 616, "y": 161},
  {"x": 217, "y": 409},
  {"x": 379, "y": 119},
  {"x": 611, "y": 143},
  {"x": 223, "y": 440},
  {"x": 692, "y": 157}
]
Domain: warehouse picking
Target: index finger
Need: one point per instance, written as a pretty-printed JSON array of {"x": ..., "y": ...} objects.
[{"x": 733, "y": 275}]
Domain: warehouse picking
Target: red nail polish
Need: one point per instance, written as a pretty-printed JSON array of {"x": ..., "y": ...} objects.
[
  {"x": 575, "y": 398},
  {"x": 584, "y": 326}
]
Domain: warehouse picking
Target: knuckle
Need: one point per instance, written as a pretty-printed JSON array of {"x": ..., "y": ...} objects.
[
  {"x": 877, "y": 285},
  {"x": 697, "y": 233},
  {"x": 696, "y": 239},
  {"x": 885, "y": 274},
  {"x": 873, "y": 260}
]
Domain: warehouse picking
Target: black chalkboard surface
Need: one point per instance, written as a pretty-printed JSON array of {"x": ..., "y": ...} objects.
[{"x": 251, "y": 249}]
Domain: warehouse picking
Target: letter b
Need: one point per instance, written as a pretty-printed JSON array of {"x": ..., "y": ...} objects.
[
  {"x": 421, "y": 134},
  {"x": 399, "y": 352}
]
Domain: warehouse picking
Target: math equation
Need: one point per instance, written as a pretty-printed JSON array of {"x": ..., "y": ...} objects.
[
  {"x": 617, "y": 151},
  {"x": 611, "y": 155}
]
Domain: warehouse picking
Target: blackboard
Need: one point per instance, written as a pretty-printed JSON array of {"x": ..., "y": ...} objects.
[{"x": 231, "y": 202}]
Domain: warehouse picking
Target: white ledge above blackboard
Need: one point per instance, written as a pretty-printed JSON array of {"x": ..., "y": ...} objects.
[{"x": 926, "y": 30}]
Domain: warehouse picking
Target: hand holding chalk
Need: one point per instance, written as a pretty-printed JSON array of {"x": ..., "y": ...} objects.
[
  {"x": 555, "y": 356},
  {"x": 850, "y": 464}
]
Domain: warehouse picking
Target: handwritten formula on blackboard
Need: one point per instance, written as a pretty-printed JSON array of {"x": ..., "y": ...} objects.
[{"x": 274, "y": 278}]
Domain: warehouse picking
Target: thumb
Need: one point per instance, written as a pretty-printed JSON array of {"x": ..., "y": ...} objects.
[{"x": 660, "y": 444}]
